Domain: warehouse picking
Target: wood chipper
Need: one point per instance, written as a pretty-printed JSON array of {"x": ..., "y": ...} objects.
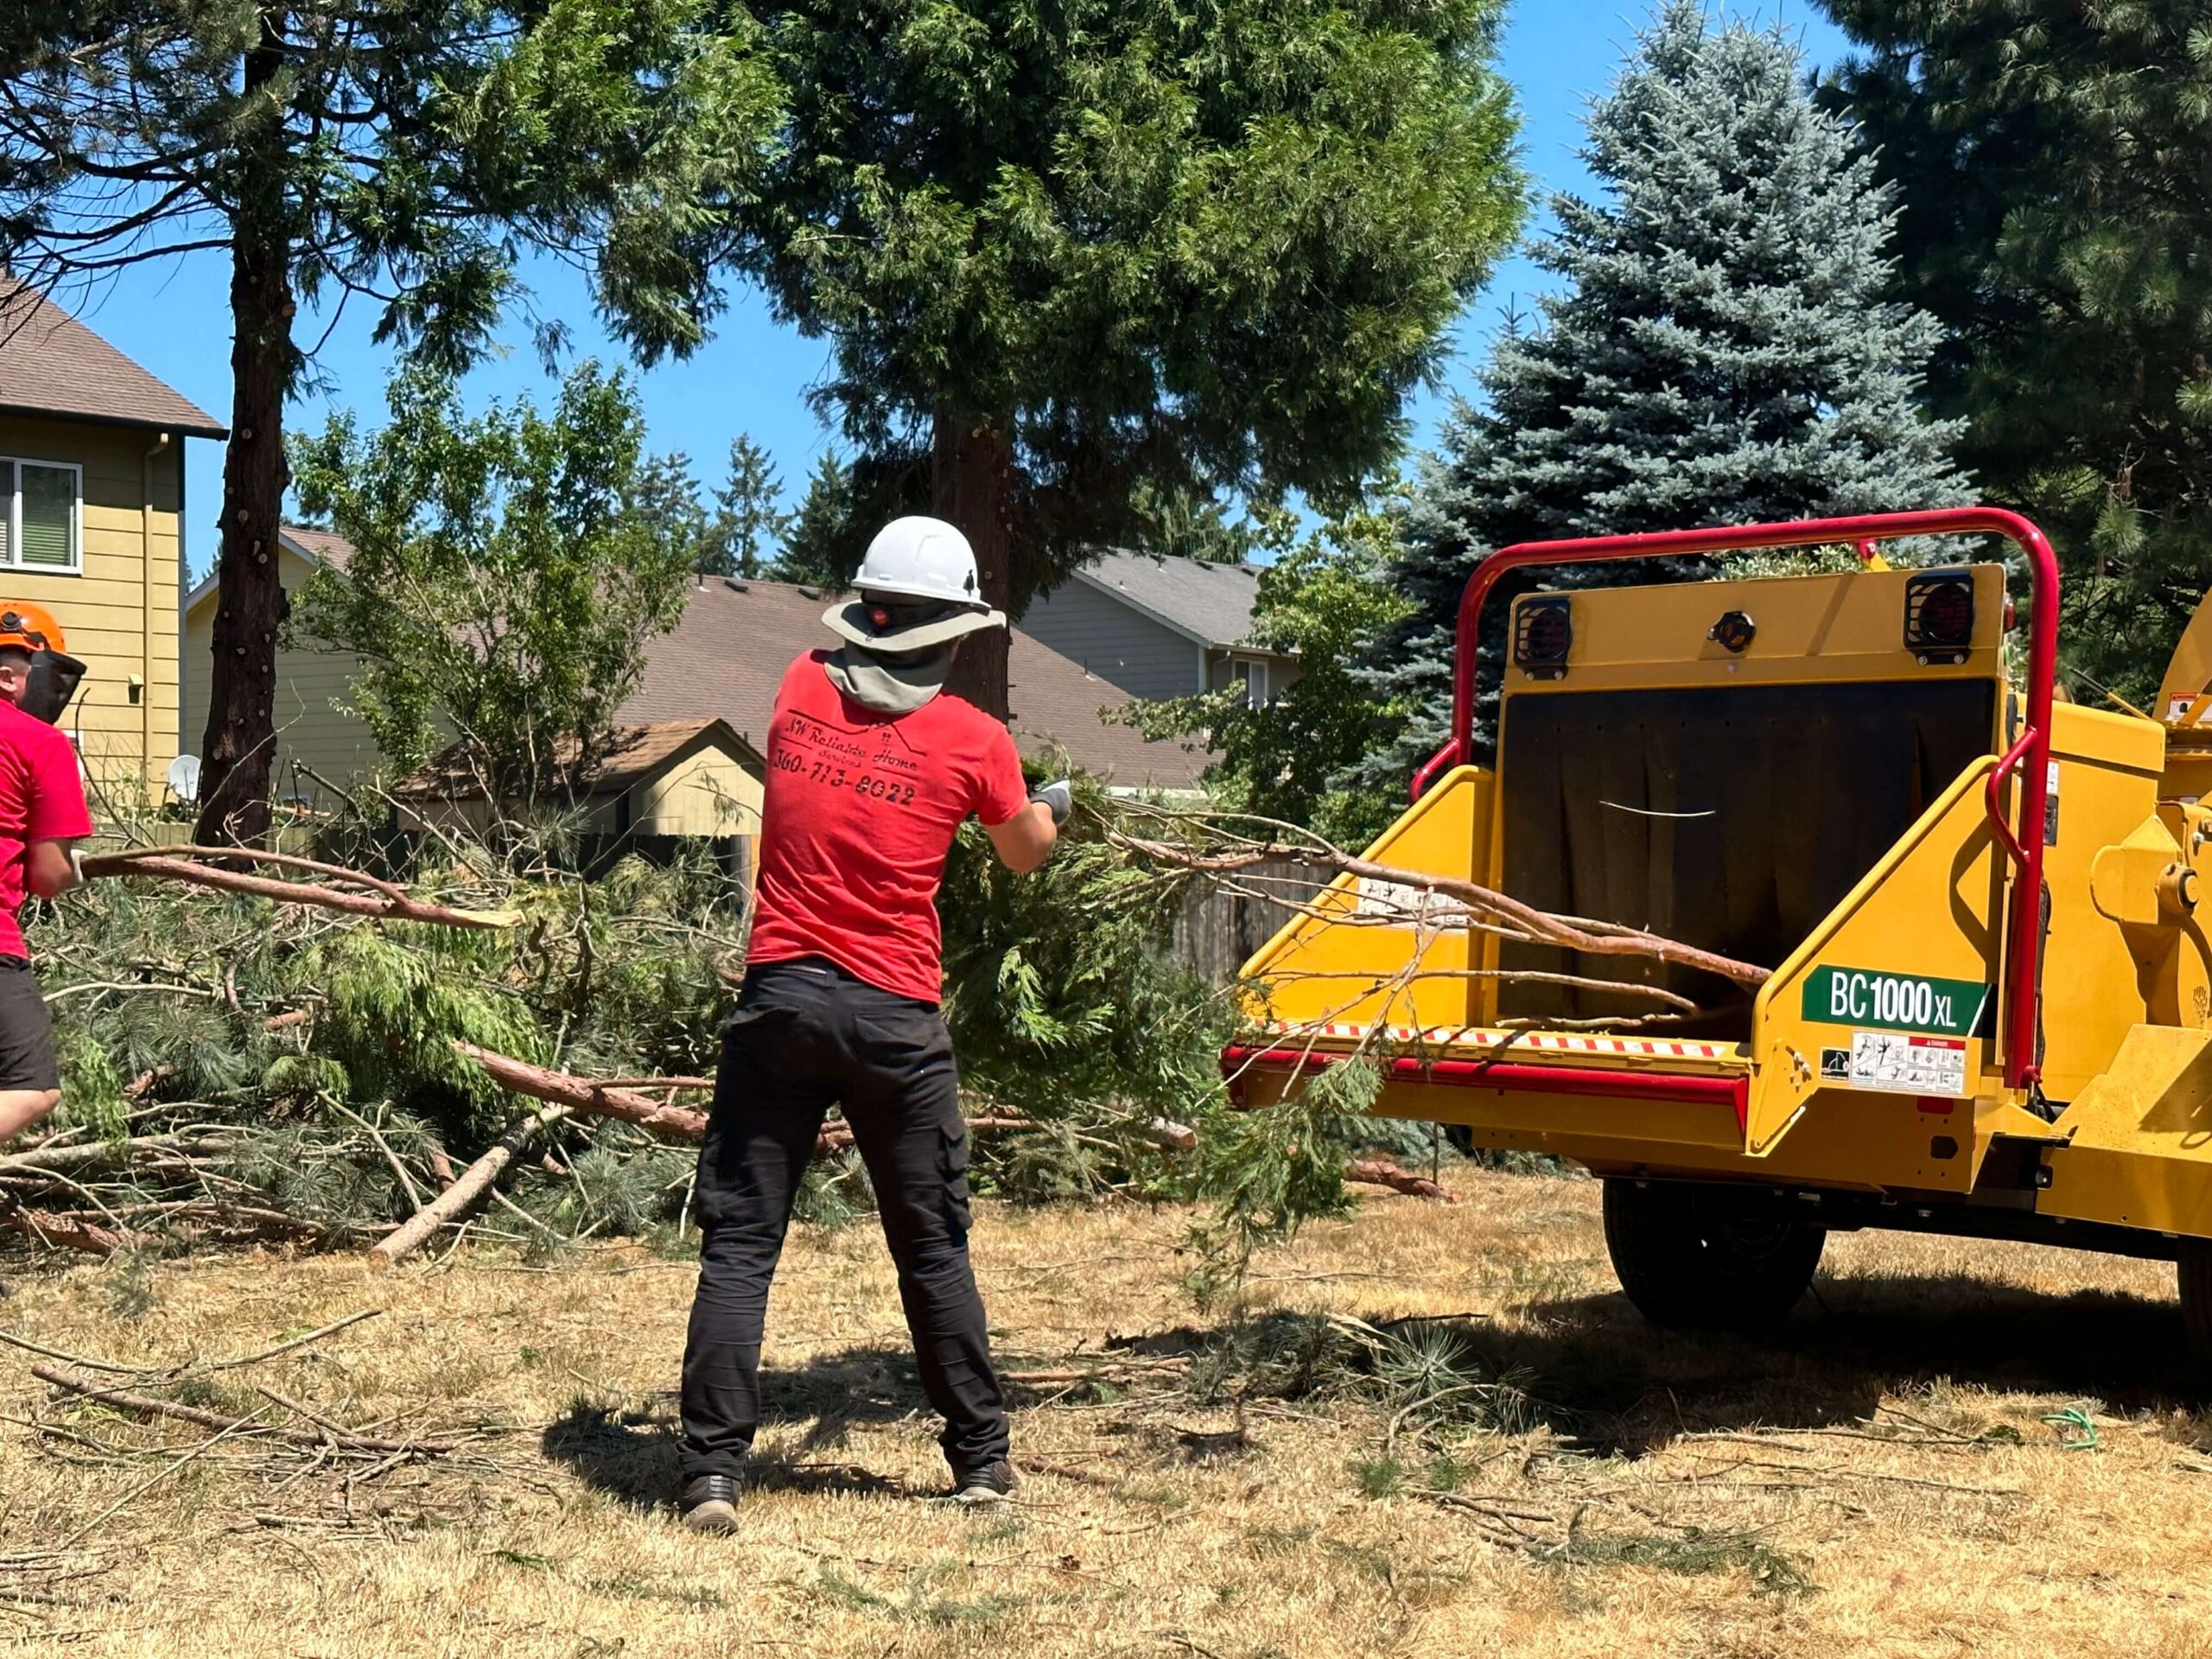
[{"x": 1988, "y": 1010}]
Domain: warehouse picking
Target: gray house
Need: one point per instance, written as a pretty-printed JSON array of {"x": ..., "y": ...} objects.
[{"x": 1159, "y": 626}]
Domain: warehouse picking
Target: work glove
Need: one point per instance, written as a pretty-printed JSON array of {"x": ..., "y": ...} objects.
[
  {"x": 77, "y": 865},
  {"x": 1059, "y": 796}
]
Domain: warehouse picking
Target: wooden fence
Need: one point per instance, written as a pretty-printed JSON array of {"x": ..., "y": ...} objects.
[{"x": 1216, "y": 929}]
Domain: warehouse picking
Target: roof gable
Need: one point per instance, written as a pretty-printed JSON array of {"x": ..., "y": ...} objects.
[
  {"x": 1208, "y": 604},
  {"x": 634, "y": 755},
  {"x": 313, "y": 546},
  {"x": 51, "y": 364}
]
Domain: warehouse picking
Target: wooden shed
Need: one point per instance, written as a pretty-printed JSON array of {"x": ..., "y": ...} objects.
[{"x": 653, "y": 789}]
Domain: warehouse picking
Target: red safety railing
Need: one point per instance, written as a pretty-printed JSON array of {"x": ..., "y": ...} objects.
[
  {"x": 1514, "y": 1076},
  {"x": 2029, "y": 756}
]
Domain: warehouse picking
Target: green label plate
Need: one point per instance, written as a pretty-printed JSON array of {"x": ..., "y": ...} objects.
[{"x": 1866, "y": 997}]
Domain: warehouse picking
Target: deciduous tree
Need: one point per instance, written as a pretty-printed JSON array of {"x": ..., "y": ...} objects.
[
  {"x": 404, "y": 156},
  {"x": 504, "y": 582}
]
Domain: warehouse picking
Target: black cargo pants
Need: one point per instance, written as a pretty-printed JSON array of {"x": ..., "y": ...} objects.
[{"x": 807, "y": 1033}]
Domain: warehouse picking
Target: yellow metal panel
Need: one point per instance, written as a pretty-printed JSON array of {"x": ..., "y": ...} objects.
[
  {"x": 1810, "y": 629},
  {"x": 2106, "y": 768},
  {"x": 1334, "y": 966},
  {"x": 2140, "y": 1153},
  {"x": 1930, "y": 911}
]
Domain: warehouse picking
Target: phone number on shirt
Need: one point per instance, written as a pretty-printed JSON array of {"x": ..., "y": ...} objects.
[{"x": 887, "y": 790}]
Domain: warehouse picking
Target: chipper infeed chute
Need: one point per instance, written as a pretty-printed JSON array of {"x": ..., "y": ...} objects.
[{"x": 1933, "y": 958}]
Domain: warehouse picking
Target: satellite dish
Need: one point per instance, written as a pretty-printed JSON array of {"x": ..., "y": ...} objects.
[{"x": 184, "y": 777}]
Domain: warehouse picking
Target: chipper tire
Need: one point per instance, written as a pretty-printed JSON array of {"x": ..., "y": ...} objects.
[
  {"x": 1697, "y": 1258},
  {"x": 2193, "y": 1274}
]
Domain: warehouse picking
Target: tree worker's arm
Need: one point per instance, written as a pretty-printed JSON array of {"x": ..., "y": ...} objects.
[
  {"x": 48, "y": 868},
  {"x": 1025, "y": 840}
]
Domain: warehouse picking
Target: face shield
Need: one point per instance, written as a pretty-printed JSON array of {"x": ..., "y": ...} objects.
[{"x": 51, "y": 682}]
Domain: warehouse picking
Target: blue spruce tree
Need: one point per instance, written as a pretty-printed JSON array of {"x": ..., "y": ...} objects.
[{"x": 1721, "y": 352}]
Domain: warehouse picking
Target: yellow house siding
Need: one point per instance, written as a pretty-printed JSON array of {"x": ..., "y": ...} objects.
[
  {"x": 712, "y": 793},
  {"x": 310, "y": 731},
  {"x": 108, "y": 613}
]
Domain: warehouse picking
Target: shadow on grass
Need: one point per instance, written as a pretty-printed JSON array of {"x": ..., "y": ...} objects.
[
  {"x": 1615, "y": 1383},
  {"x": 633, "y": 1455},
  {"x": 1603, "y": 1379},
  {"x": 1590, "y": 1368}
]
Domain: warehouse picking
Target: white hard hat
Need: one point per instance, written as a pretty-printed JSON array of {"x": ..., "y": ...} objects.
[{"x": 921, "y": 558}]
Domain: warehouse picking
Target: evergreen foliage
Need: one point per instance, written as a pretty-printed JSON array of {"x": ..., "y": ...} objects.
[
  {"x": 503, "y": 578},
  {"x": 1068, "y": 253},
  {"x": 1722, "y": 351},
  {"x": 1321, "y": 597},
  {"x": 827, "y": 536},
  {"x": 2050, "y": 164},
  {"x": 749, "y": 524},
  {"x": 403, "y": 155}
]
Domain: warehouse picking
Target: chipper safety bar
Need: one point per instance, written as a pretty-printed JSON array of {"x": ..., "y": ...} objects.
[{"x": 1941, "y": 1004}]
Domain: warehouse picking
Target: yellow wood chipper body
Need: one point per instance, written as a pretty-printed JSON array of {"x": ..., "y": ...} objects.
[{"x": 1989, "y": 1011}]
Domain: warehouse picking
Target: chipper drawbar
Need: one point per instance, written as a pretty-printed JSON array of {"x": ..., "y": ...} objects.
[{"x": 1989, "y": 1011}]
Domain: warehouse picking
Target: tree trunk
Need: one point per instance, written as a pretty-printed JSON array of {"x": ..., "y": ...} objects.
[
  {"x": 971, "y": 481},
  {"x": 237, "y": 751}
]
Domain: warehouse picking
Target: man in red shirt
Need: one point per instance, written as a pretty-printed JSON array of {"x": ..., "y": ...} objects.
[
  {"x": 872, "y": 770},
  {"x": 42, "y": 816}
]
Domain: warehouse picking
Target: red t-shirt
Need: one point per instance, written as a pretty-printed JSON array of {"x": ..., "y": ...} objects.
[
  {"x": 861, "y": 809},
  {"x": 41, "y": 798}
]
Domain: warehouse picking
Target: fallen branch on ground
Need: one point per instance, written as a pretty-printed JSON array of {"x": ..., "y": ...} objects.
[
  {"x": 1376, "y": 1171},
  {"x": 469, "y": 1185},
  {"x": 383, "y": 901},
  {"x": 146, "y": 1406}
]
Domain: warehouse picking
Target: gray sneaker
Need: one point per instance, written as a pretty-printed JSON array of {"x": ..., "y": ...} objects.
[
  {"x": 986, "y": 1482},
  {"x": 709, "y": 1505}
]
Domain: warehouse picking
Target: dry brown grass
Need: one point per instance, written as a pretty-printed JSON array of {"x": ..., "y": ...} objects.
[{"x": 1880, "y": 1482}]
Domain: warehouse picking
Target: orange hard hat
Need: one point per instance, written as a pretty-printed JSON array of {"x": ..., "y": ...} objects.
[{"x": 28, "y": 628}]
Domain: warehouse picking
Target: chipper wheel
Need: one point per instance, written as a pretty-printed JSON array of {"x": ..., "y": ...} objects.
[
  {"x": 1697, "y": 1258},
  {"x": 2195, "y": 1273}
]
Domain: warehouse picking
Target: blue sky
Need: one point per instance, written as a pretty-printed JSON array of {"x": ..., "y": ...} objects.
[{"x": 754, "y": 376}]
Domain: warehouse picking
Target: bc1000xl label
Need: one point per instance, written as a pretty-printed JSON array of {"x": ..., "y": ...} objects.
[{"x": 1861, "y": 997}]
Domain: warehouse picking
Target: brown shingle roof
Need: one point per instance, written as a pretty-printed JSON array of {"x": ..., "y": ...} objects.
[
  {"x": 730, "y": 653},
  {"x": 637, "y": 753},
  {"x": 51, "y": 364},
  {"x": 326, "y": 545},
  {"x": 727, "y": 657}
]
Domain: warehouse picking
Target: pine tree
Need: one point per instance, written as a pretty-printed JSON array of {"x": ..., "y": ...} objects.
[
  {"x": 1066, "y": 252},
  {"x": 2051, "y": 161},
  {"x": 749, "y": 523},
  {"x": 407, "y": 155},
  {"x": 1721, "y": 352}
]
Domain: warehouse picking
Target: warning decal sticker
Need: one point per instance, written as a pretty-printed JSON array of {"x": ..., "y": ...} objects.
[
  {"x": 1901, "y": 1063},
  {"x": 1835, "y": 1065}
]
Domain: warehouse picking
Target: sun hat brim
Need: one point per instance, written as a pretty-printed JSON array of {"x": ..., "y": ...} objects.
[{"x": 847, "y": 620}]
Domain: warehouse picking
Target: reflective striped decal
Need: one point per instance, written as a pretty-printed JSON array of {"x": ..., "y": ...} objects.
[{"x": 1546, "y": 1042}]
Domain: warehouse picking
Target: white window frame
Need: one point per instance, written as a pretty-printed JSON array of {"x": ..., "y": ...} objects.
[
  {"x": 15, "y": 559},
  {"x": 1254, "y": 675}
]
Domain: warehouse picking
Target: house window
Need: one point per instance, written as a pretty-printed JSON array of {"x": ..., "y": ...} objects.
[
  {"x": 42, "y": 514},
  {"x": 1255, "y": 683}
]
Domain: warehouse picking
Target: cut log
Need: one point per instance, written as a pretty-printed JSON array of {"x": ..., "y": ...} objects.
[
  {"x": 583, "y": 1094},
  {"x": 470, "y": 1186},
  {"x": 1376, "y": 1171}
]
